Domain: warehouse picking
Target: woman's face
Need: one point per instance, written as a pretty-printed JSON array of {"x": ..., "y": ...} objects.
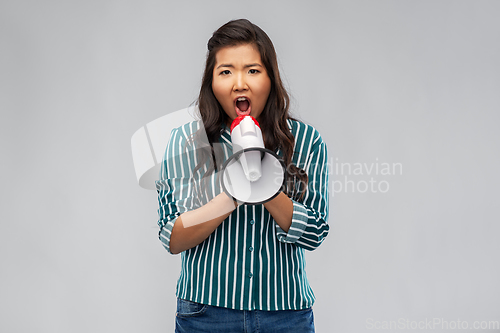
[{"x": 240, "y": 81}]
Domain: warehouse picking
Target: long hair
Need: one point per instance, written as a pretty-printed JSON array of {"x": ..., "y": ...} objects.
[{"x": 273, "y": 119}]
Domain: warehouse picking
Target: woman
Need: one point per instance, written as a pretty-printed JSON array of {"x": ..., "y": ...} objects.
[{"x": 243, "y": 266}]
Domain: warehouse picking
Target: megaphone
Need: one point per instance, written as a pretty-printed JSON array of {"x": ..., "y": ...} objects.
[{"x": 253, "y": 174}]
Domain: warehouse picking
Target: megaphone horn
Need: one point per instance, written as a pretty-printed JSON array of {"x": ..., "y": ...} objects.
[{"x": 253, "y": 174}]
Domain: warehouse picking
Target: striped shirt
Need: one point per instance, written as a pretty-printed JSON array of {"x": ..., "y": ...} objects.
[{"x": 248, "y": 262}]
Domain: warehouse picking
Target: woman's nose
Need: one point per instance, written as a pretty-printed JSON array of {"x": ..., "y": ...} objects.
[{"x": 239, "y": 83}]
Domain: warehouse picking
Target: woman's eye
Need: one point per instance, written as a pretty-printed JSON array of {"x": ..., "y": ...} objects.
[
  {"x": 226, "y": 72},
  {"x": 253, "y": 71}
]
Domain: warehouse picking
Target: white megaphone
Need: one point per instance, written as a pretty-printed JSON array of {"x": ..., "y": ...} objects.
[{"x": 253, "y": 174}]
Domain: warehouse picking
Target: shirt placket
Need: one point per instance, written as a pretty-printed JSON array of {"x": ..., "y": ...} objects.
[{"x": 250, "y": 249}]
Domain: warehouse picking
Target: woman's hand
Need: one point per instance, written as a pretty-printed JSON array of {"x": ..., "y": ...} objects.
[{"x": 193, "y": 227}]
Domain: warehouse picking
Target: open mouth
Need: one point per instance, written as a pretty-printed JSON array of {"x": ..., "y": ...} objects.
[{"x": 242, "y": 106}]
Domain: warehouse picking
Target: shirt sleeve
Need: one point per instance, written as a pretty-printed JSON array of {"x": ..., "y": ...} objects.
[
  {"x": 309, "y": 221},
  {"x": 175, "y": 188}
]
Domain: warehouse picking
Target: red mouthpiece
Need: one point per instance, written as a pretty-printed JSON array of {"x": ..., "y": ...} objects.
[{"x": 237, "y": 121}]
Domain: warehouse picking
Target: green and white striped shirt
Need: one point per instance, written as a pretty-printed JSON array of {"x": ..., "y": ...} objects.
[{"x": 248, "y": 262}]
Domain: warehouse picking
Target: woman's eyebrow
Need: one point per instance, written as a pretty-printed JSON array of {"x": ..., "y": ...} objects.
[
  {"x": 225, "y": 65},
  {"x": 253, "y": 65},
  {"x": 246, "y": 66}
]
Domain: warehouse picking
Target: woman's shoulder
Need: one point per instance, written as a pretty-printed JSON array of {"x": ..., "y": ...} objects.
[
  {"x": 187, "y": 136},
  {"x": 187, "y": 130},
  {"x": 303, "y": 131}
]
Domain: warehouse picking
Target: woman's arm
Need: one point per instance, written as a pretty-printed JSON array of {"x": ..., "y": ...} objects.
[
  {"x": 184, "y": 220},
  {"x": 281, "y": 209},
  {"x": 307, "y": 227},
  {"x": 193, "y": 227}
]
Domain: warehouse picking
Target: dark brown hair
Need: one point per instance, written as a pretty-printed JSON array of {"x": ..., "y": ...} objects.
[{"x": 273, "y": 119}]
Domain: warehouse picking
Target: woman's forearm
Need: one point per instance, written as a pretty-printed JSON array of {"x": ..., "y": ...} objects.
[
  {"x": 281, "y": 209},
  {"x": 193, "y": 227}
]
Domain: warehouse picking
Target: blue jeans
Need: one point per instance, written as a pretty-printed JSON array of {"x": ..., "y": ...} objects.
[{"x": 194, "y": 317}]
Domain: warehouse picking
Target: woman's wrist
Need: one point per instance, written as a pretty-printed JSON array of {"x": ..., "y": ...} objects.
[{"x": 225, "y": 202}]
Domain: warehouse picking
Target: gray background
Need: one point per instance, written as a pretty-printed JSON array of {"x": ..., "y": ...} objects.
[{"x": 410, "y": 82}]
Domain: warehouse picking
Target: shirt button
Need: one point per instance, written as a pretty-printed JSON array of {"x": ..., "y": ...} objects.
[
  {"x": 250, "y": 249},
  {"x": 252, "y": 221},
  {"x": 250, "y": 274}
]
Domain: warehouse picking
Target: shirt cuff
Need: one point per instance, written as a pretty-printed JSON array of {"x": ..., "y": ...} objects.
[
  {"x": 299, "y": 224},
  {"x": 165, "y": 233}
]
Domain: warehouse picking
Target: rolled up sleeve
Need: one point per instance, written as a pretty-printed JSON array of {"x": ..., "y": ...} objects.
[
  {"x": 175, "y": 188},
  {"x": 309, "y": 225}
]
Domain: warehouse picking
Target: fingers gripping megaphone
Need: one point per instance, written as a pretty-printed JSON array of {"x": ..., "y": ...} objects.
[{"x": 253, "y": 174}]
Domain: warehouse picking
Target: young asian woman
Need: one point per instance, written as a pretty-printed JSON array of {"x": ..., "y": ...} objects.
[{"x": 242, "y": 266}]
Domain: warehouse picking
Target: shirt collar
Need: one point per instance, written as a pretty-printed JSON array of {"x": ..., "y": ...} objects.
[{"x": 226, "y": 136}]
